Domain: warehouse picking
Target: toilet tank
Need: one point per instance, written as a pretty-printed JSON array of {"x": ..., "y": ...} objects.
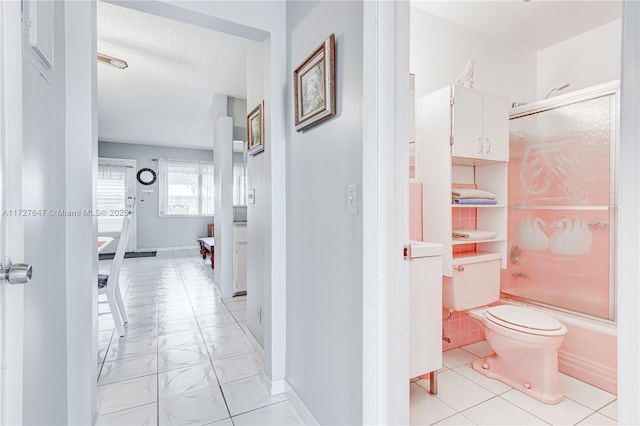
[{"x": 475, "y": 281}]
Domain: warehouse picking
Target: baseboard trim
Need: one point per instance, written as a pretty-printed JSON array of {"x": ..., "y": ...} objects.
[
  {"x": 276, "y": 387},
  {"x": 169, "y": 248},
  {"x": 599, "y": 375},
  {"x": 299, "y": 405},
  {"x": 254, "y": 342}
]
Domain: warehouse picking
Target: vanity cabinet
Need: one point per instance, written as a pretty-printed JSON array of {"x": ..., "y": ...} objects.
[
  {"x": 480, "y": 124},
  {"x": 462, "y": 139}
]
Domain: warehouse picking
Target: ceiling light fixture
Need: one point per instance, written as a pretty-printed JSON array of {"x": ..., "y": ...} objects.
[{"x": 118, "y": 63}]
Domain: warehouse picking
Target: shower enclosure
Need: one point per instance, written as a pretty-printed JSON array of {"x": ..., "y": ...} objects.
[{"x": 562, "y": 202}]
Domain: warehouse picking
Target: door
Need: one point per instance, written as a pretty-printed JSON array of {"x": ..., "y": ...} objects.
[
  {"x": 467, "y": 123},
  {"x": 11, "y": 224},
  {"x": 116, "y": 193},
  {"x": 495, "y": 127},
  {"x": 240, "y": 269}
]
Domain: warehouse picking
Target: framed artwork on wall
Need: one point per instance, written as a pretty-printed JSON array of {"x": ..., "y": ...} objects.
[
  {"x": 255, "y": 130},
  {"x": 315, "y": 86}
]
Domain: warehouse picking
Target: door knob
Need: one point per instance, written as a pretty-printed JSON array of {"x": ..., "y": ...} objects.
[{"x": 16, "y": 273}]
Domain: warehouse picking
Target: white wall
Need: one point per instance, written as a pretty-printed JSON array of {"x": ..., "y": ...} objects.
[
  {"x": 440, "y": 50},
  {"x": 324, "y": 247},
  {"x": 223, "y": 195},
  {"x": 152, "y": 231},
  {"x": 257, "y": 179},
  {"x": 586, "y": 60}
]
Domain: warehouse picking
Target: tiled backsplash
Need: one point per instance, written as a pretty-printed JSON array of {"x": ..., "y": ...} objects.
[
  {"x": 461, "y": 330},
  {"x": 464, "y": 218}
]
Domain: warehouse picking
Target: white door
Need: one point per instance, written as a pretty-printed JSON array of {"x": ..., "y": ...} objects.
[
  {"x": 467, "y": 123},
  {"x": 11, "y": 223},
  {"x": 116, "y": 193},
  {"x": 495, "y": 127}
]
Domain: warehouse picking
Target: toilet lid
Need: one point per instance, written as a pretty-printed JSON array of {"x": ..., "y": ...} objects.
[{"x": 523, "y": 319}]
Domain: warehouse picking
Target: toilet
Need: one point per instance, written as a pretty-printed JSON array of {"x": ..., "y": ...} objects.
[{"x": 525, "y": 341}]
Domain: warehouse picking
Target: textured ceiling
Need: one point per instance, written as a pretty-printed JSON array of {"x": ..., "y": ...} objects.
[
  {"x": 165, "y": 95},
  {"x": 534, "y": 25}
]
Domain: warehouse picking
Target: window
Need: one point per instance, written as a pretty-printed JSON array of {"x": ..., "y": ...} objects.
[
  {"x": 239, "y": 184},
  {"x": 186, "y": 188},
  {"x": 112, "y": 195}
]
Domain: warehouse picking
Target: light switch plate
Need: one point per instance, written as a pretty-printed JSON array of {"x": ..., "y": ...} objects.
[
  {"x": 251, "y": 196},
  {"x": 353, "y": 199}
]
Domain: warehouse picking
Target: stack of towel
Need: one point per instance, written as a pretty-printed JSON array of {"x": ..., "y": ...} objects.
[
  {"x": 473, "y": 234},
  {"x": 472, "y": 196}
]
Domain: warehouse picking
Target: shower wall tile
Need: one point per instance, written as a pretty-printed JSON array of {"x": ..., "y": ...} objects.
[
  {"x": 464, "y": 218},
  {"x": 461, "y": 330}
]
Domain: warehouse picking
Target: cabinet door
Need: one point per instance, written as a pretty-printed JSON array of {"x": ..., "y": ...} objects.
[
  {"x": 495, "y": 128},
  {"x": 467, "y": 123},
  {"x": 240, "y": 268}
]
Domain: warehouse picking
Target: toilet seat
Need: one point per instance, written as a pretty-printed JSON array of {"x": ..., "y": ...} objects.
[{"x": 525, "y": 320}]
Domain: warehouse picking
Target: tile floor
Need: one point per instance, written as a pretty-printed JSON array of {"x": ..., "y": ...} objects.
[
  {"x": 185, "y": 358},
  {"x": 466, "y": 397}
]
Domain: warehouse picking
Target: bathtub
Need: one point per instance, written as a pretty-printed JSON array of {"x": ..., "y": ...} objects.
[{"x": 589, "y": 351}]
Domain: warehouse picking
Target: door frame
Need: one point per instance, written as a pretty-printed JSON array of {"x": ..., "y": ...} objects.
[
  {"x": 385, "y": 213},
  {"x": 12, "y": 297},
  {"x": 629, "y": 211}
]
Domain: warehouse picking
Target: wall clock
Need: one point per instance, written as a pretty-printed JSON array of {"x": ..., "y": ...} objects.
[{"x": 146, "y": 176}]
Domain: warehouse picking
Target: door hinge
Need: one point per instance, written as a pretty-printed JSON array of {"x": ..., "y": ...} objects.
[
  {"x": 451, "y": 101},
  {"x": 451, "y": 140}
]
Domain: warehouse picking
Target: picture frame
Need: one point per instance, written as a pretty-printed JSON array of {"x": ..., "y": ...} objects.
[
  {"x": 315, "y": 86},
  {"x": 255, "y": 130}
]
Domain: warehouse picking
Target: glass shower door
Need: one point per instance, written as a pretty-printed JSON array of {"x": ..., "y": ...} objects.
[{"x": 561, "y": 220}]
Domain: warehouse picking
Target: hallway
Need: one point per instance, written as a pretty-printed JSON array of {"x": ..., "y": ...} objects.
[{"x": 185, "y": 358}]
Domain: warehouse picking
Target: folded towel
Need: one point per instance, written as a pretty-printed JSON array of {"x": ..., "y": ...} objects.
[
  {"x": 473, "y": 201},
  {"x": 471, "y": 193},
  {"x": 473, "y": 234}
]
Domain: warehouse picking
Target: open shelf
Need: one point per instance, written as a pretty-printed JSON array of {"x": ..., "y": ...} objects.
[
  {"x": 460, "y": 241},
  {"x": 472, "y": 257},
  {"x": 482, "y": 206}
]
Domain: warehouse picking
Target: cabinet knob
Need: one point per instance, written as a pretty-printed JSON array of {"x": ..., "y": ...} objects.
[
  {"x": 479, "y": 144},
  {"x": 459, "y": 268},
  {"x": 488, "y": 151}
]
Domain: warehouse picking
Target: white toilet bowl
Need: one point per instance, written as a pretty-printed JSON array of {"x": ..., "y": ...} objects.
[{"x": 526, "y": 344}]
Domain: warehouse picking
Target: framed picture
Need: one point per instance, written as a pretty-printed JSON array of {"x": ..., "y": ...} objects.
[
  {"x": 315, "y": 86},
  {"x": 255, "y": 130}
]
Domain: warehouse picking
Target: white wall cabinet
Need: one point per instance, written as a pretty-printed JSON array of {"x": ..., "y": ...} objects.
[
  {"x": 451, "y": 127},
  {"x": 239, "y": 260},
  {"x": 480, "y": 125}
]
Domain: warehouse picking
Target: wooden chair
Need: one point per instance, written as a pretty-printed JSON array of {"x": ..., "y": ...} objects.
[{"x": 109, "y": 284}]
